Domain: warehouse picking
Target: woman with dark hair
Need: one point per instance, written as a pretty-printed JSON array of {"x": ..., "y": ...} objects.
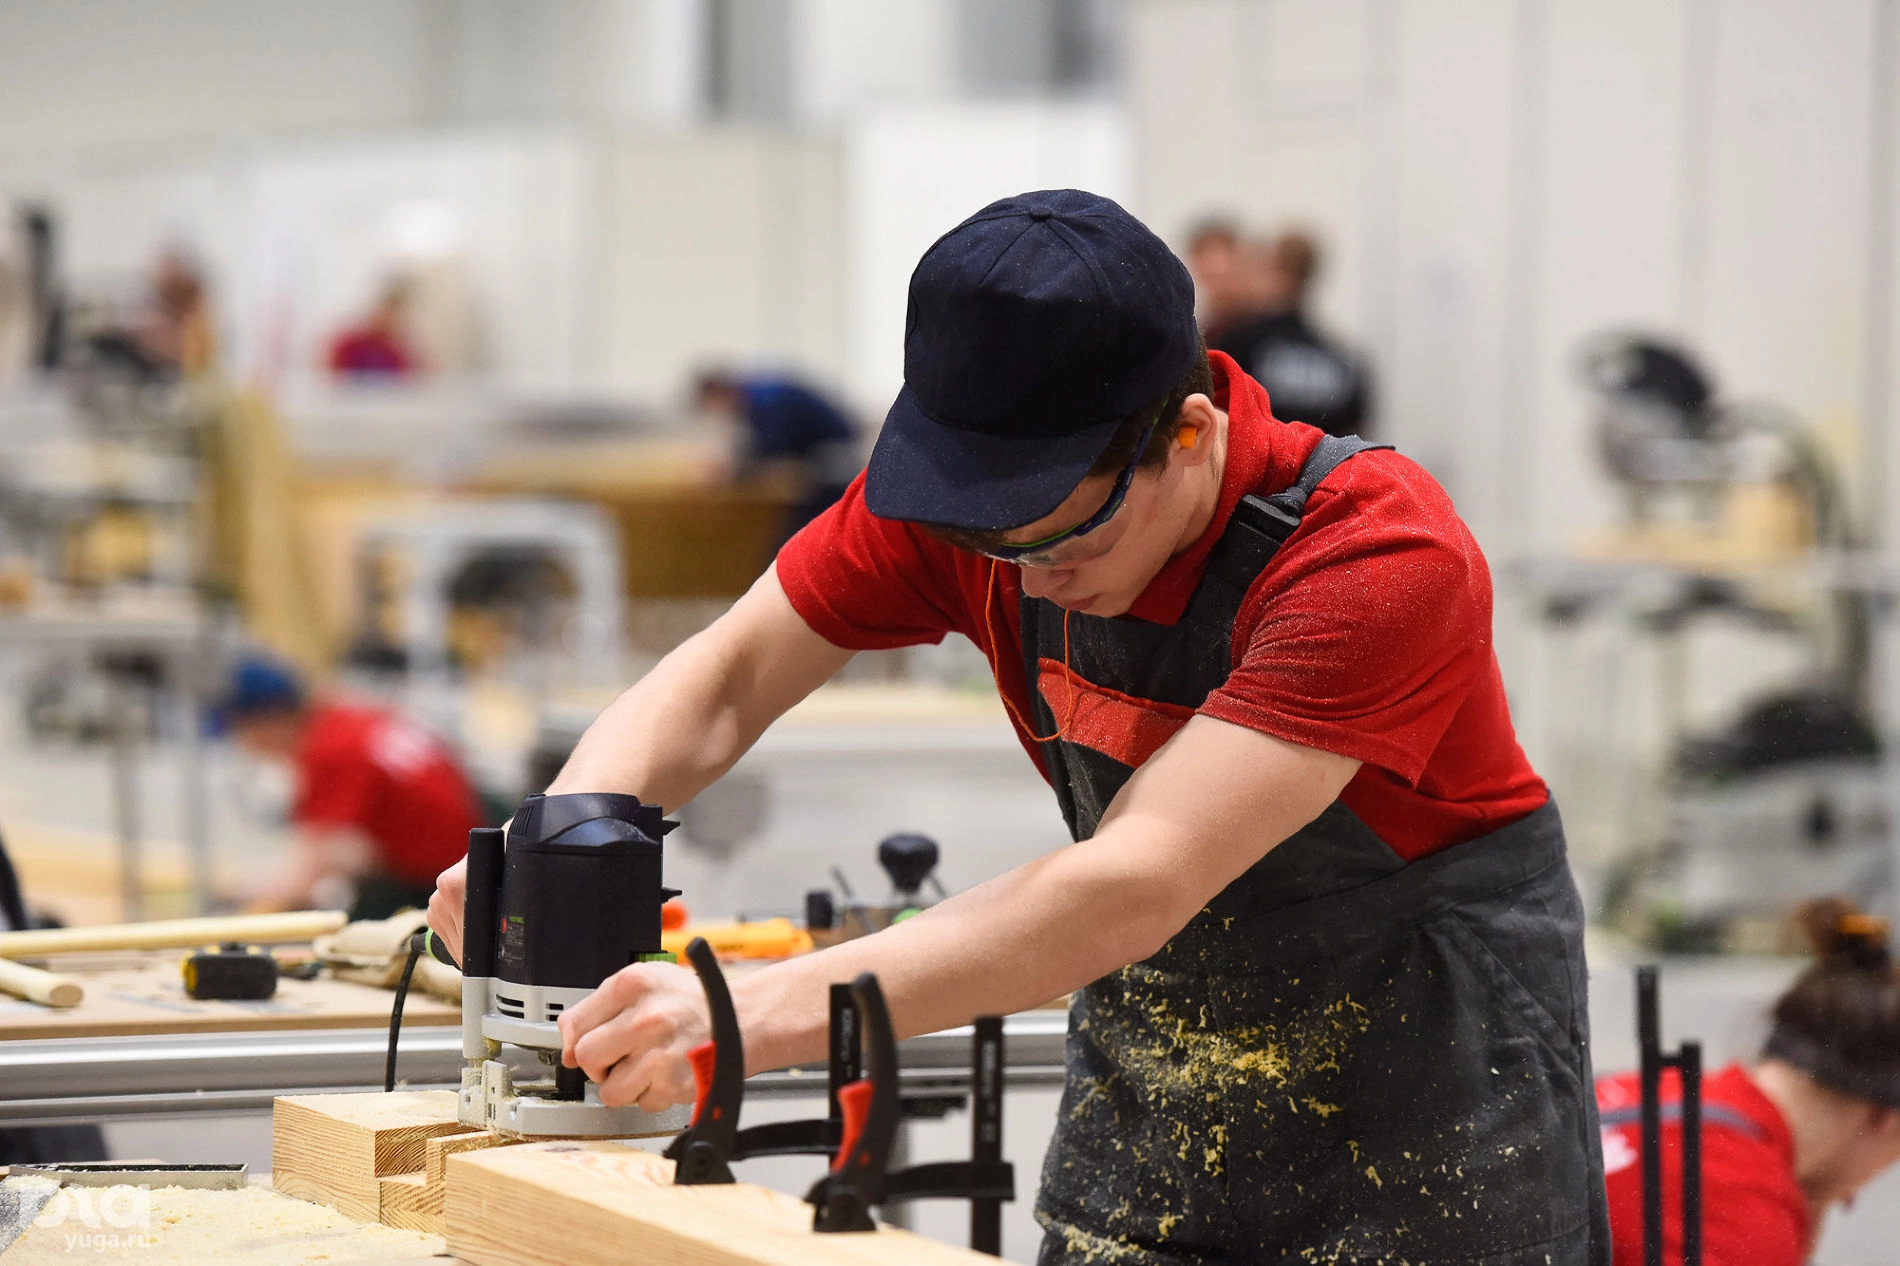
[{"x": 1805, "y": 1127}]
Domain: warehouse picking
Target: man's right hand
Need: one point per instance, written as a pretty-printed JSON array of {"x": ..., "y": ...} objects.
[{"x": 445, "y": 906}]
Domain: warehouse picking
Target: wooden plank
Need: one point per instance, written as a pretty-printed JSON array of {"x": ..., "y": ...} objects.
[
  {"x": 403, "y": 1201},
  {"x": 333, "y": 1148},
  {"x": 301, "y": 925},
  {"x": 151, "y": 998},
  {"x": 604, "y": 1204},
  {"x": 415, "y": 1201},
  {"x": 436, "y": 1152}
]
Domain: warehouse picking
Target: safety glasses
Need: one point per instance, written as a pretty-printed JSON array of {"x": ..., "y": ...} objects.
[{"x": 1042, "y": 553}]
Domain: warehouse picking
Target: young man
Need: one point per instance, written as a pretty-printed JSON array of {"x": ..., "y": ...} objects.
[
  {"x": 380, "y": 805},
  {"x": 1326, "y": 953}
]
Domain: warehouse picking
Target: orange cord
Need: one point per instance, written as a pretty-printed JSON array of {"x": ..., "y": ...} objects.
[{"x": 1068, "y": 675}]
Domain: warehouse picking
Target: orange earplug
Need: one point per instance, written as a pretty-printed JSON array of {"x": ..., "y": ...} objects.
[{"x": 1189, "y": 436}]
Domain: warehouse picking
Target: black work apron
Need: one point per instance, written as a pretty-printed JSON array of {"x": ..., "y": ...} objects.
[{"x": 1343, "y": 1058}]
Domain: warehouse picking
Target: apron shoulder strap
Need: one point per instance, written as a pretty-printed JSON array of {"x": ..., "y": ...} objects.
[
  {"x": 1278, "y": 515},
  {"x": 1261, "y": 525}
]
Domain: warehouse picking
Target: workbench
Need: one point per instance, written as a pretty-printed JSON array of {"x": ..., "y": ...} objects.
[
  {"x": 71, "y": 1080},
  {"x": 138, "y": 1048},
  {"x": 137, "y": 1018},
  {"x": 138, "y": 1045}
]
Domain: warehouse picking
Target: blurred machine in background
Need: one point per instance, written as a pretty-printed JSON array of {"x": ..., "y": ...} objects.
[
  {"x": 1735, "y": 519},
  {"x": 1786, "y": 805},
  {"x": 1705, "y": 478},
  {"x": 461, "y": 585}
]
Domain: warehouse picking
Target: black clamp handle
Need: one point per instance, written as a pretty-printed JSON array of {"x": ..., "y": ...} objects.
[
  {"x": 1687, "y": 1061},
  {"x": 705, "y": 1150},
  {"x": 860, "y": 1178}
]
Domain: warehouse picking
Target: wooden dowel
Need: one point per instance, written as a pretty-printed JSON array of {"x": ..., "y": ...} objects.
[
  {"x": 301, "y": 925},
  {"x": 40, "y": 986}
]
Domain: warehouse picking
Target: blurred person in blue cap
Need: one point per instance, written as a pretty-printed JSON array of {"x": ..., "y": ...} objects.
[
  {"x": 378, "y": 804},
  {"x": 1324, "y": 951},
  {"x": 785, "y": 425}
]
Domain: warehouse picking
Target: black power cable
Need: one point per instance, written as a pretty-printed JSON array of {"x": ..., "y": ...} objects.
[{"x": 416, "y": 944}]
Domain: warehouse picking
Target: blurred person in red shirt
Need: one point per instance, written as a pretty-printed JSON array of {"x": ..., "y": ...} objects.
[
  {"x": 380, "y": 806},
  {"x": 379, "y": 345},
  {"x": 1804, "y": 1128}
]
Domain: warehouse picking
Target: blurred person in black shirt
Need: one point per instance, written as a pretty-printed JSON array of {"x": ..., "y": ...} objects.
[
  {"x": 1223, "y": 298},
  {"x": 1309, "y": 377}
]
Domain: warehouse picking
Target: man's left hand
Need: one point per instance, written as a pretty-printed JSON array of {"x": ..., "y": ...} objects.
[{"x": 632, "y": 1035}]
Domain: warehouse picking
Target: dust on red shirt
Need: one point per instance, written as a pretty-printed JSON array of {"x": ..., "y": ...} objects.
[
  {"x": 366, "y": 769},
  {"x": 1753, "y": 1211},
  {"x": 1368, "y": 635}
]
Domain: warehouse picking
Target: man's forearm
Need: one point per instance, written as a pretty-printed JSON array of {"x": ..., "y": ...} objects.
[
  {"x": 1035, "y": 933},
  {"x": 1200, "y": 812},
  {"x": 1195, "y": 816},
  {"x": 667, "y": 737},
  {"x": 685, "y": 723}
]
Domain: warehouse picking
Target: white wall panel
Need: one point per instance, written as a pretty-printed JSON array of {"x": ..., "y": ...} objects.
[
  {"x": 328, "y": 225},
  {"x": 1610, "y": 229},
  {"x": 914, "y": 173},
  {"x": 723, "y": 247},
  {"x": 1255, "y": 112},
  {"x": 127, "y": 72},
  {"x": 850, "y": 54},
  {"x": 1782, "y": 309},
  {"x": 1444, "y": 379}
]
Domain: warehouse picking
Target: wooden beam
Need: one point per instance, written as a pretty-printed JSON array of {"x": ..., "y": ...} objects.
[
  {"x": 414, "y": 1202},
  {"x": 604, "y": 1204},
  {"x": 302, "y": 925},
  {"x": 334, "y": 1149},
  {"x": 403, "y": 1202},
  {"x": 436, "y": 1153}
]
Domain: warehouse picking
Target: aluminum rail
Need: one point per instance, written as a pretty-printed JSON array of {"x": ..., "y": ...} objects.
[{"x": 67, "y": 1081}]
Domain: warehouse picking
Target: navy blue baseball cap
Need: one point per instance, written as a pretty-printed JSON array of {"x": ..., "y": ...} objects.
[
  {"x": 1035, "y": 328},
  {"x": 259, "y": 684}
]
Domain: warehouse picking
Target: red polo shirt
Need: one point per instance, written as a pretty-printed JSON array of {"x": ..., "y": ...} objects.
[
  {"x": 1368, "y": 635},
  {"x": 1753, "y": 1211},
  {"x": 364, "y": 769}
]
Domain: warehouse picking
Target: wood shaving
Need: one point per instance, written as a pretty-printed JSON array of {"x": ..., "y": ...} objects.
[{"x": 173, "y": 1226}]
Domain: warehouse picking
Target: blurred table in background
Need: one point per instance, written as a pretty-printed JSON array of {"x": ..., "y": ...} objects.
[{"x": 683, "y": 532}]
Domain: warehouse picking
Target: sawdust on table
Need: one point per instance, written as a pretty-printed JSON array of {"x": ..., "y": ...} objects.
[{"x": 174, "y": 1226}]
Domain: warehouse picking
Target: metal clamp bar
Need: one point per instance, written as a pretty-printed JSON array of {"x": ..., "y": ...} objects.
[{"x": 71, "y": 1080}]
